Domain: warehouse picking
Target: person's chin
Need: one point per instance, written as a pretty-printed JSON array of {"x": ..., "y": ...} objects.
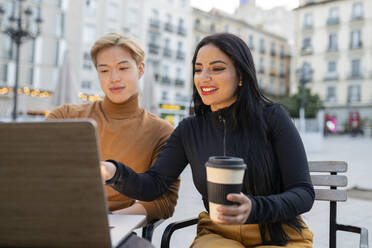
[{"x": 118, "y": 98}]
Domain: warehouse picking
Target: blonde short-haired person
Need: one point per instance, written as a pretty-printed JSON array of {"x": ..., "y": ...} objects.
[{"x": 127, "y": 132}]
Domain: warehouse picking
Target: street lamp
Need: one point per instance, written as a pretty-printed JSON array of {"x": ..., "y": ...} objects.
[
  {"x": 19, "y": 30},
  {"x": 304, "y": 75}
]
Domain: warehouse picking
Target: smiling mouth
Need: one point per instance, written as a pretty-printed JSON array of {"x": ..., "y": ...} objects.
[
  {"x": 117, "y": 89},
  {"x": 208, "y": 90}
]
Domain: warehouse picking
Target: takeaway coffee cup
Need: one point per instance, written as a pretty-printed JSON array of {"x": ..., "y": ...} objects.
[{"x": 224, "y": 176}]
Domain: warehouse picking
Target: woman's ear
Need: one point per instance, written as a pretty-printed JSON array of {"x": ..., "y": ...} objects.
[{"x": 141, "y": 70}]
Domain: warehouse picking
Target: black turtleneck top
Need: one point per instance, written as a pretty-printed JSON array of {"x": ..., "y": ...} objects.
[{"x": 199, "y": 137}]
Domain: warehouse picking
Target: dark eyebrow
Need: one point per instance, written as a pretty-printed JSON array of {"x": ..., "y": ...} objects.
[
  {"x": 121, "y": 62},
  {"x": 217, "y": 61}
]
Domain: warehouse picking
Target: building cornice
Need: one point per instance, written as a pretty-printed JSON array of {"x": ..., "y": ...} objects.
[
  {"x": 214, "y": 13},
  {"x": 316, "y": 4}
]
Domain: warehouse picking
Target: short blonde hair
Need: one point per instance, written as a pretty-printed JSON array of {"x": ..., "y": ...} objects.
[{"x": 116, "y": 39}]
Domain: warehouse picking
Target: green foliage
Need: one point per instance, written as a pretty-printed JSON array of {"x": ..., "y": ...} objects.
[{"x": 313, "y": 103}]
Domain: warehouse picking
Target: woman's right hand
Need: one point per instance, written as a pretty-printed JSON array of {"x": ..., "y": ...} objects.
[{"x": 108, "y": 170}]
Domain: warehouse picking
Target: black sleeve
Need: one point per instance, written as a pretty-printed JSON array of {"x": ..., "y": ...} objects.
[
  {"x": 298, "y": 195},
  {"x": 153, "y": 183}
]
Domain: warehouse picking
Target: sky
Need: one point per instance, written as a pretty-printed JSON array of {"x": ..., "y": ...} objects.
[{"x": 230, "y": 5}]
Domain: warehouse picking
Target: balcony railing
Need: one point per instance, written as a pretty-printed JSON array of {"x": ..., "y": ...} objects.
[
  {"x": 181, "y": 31},
  {"x": 180, "y": 55},
  {"x": 273, "y": 53},
  {"x": 153, "y": 48},
  {"x": 166, "y": 80},
  {"x": 167, "y": 52},
  {"x": 357, "y": 17},
  {"x": 179, "y": 83},
  {"x": 168, "y": 27},
  {"x": 331, "y": 76},
  {"x": 261, "y": 70},
  {"x": 333, "y": 21},
  {"x": 355, "y": 76},
  {"x": 282, "y": 74},
  {"x": 262, "y": 50},
  {"x": 356, "y": 45},
  {"x": 306, "y": 50},
  {"x": 273, "y": 72},
  {"x": 154, "y": 23},
  {"x": 332, "y": 49},
  {"x": 308, "y": 26}
]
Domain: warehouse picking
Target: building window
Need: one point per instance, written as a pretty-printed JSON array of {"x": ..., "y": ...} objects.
[
  {"x": 6, "y": 47},
  {"x": 164, "y": 95},
  {"x": 333, "y": 17},
  {"x": 60, "y": 27},
  {"x": 261, "y": 68},
  {"x": 306, "y": 46},
  {"x": 239, "y": 32},
  {"x": 227, "y": 28},
  {"x": 282, "y": 51},
  {"x": 113, "y": 12},
  {"x": 331, "y": 94},
  {"x": 197, "y": 24},
  {"x": 58, "y": 52},
  {"x": 332, "y": 66},
  {"x": 168, "y": 23},
  {"x": 331, "y": 71},
  {"x": 357, "y": 12},
  {"x": 213, "y": 28},
  {"x": 271, "y": 85},
  {"x": 180, "y": 53},
  {"x": 196, "y": 42},
  {"x": 251, "y": 42},
  {"x": 281, "y": 70},
  {"x": 355, "y": 68},
  {"x": 91, "y": 7},
  {"x": 87, "y": 63},
  {"x": 167, "y": 52},
  {"x": 260, "y": 82},
  {"x": 30, "y": 76},
  {"x": 356, "y": 39},
  {"x": 308, "y": 20},
  {"x": 332, "y": 42},
  {"x": 3, "y": 74},
  {"x": 86, "y": 84},
  {"x": 181, "y": 28},
  {"x": 31, "y": 51},
  {"x": 353, "y": 93},
  {"x": 179, "y": 82},
  {"x": 272, "y": 51},
  {"x": 89, "y": 32},
  {"x": 262, "y": 45}
]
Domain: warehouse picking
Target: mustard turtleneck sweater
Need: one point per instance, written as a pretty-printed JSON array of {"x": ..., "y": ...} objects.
[{"x": 131, "y": 135}]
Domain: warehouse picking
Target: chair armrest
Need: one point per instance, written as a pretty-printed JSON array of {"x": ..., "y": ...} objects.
[
  {"x": 165, "y": 240},
  {"x": 148, "y": 230},
  {"x": 363, "y": 238},
  {"x": 356, "y": 229}
]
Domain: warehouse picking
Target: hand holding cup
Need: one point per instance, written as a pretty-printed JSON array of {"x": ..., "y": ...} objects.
[{"x": 224, "y": 179}]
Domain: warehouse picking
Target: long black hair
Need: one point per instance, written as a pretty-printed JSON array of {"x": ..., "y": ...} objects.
[{"x": 247, "y": 118}]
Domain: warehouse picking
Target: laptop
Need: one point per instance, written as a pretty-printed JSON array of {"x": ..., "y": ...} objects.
[{"x": 51, "y": 191}]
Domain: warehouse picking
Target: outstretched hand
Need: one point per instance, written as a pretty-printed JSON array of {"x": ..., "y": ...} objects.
[
  {"x": 235, "y": 214},
  {"x": 108, "y": 170}
]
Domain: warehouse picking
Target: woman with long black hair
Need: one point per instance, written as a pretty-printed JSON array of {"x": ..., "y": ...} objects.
[{"x": 233, "y": 118}]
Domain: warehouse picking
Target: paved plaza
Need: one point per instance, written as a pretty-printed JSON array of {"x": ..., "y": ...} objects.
[{"x": 357, "y": 151}]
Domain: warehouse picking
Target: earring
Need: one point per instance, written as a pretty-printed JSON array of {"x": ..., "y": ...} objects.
[{"x": 240, "y": 83}]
